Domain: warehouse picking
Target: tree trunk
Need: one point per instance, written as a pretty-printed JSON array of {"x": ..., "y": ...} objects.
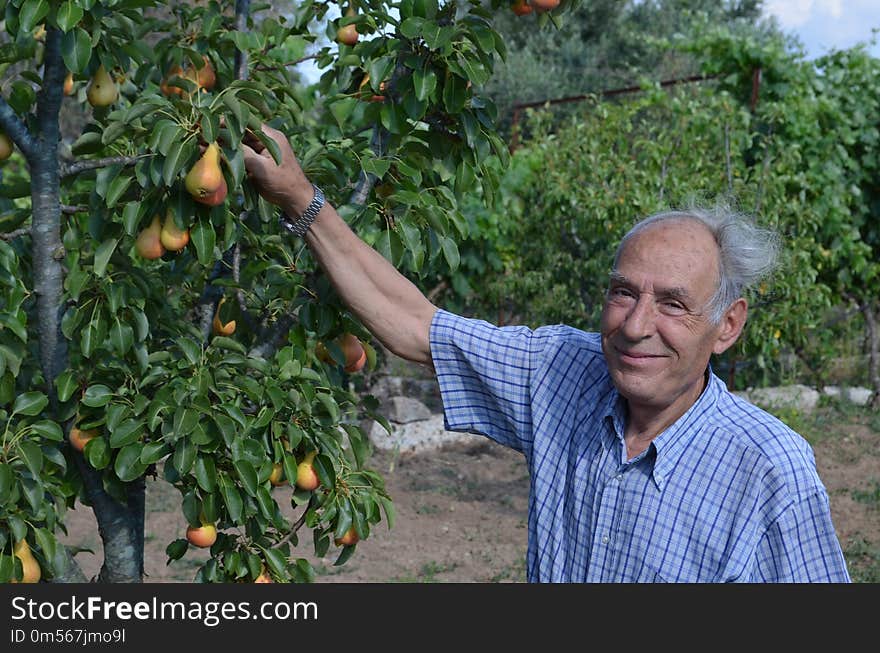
[
  {"x": 870, "y": 312},
  {"x": 122, "y": 536}
]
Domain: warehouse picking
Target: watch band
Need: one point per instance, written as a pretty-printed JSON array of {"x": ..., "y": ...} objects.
[{"x": 301, "y": 225}]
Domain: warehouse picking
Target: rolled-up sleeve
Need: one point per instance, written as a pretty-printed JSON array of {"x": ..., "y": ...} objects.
[{"x": 484, "y": 372}]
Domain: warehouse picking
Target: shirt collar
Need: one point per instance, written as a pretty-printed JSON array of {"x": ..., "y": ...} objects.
[{"x": 671, "y": 444}]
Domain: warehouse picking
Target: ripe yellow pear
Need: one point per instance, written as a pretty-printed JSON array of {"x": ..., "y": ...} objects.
[
  {"x": 30, "y": 568},
  {"x": 264, "y": 577},
  {"x": 102, "y": 90},
  {"x": 5, "y": 147},
  {"x": 306, "y": 477},
  {"x": 205, "y": 177},
  {"x": 350, "y": 537},
  {"x": 149, "y": 241},
  {"x": 202, "y": 536},
  {"x": 79, "y": 438},
  {"x": 348, "y": 34},
  {"x": 276, "y": 478},
  {"x": 172, "y": 237},
  {"x": 205, "y": 76}
]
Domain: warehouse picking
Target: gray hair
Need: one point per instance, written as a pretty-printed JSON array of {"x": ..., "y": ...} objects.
[{"x": 746, "y": 252}]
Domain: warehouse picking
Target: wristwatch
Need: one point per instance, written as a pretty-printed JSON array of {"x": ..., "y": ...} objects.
[{"x": 301, "y": 225}]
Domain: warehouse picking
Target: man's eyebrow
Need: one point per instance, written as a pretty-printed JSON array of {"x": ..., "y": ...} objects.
[{"x": 675, "y": 292}]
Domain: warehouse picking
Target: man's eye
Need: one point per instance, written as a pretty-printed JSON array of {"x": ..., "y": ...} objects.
[
  {"x": 674, "y": 308},
  {"x": 619, "y": 293}
]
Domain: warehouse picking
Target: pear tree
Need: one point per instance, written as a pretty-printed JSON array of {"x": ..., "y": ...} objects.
[{"x": 155, "y": 320}]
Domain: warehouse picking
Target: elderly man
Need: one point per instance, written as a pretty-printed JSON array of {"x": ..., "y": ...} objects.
[{"x": 643, "y": 466}]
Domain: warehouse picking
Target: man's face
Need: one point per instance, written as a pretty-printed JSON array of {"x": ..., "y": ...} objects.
[{"x": 656, "y": 333}]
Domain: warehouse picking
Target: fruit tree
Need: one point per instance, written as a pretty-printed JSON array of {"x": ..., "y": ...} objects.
[{"x": 155, "y": 321}]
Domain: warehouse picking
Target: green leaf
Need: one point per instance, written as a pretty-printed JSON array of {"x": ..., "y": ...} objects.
[
  {"x": 103, "y": 254},
  {"x": 203, "y": 237},
  {"x": 97, "y": 395},
  {"x": 128, "y": 464},
  {"x": 154, "y": 452},
  {"x": 389, "y": 510},
  {"x": 177, "y": 549},
  {"x": 276, "y": 561},
  {"x": 184, "y": 456},
  {"x": 450, "y": 252},
  {"x": 121, "y": 337},
  {"x": 116, "y": 189},
  {"x": 129, "y": 431},
  {"x": 232, "y": 499},
  {"x": 5, "y": 482},
  {"x": 12, "y": 323},
  {"x": 48, "y": 429},
  {"x": 247, "y": 475},
  {"x": 46, "y": 541},
  {"x": 206, "y": 473},
  {"x": 32, "y": 456},
  {"x": 31, "y": 13},
  {"x": 330, "y": 404},
  {"x": 191, "y": 349},
  {"x": 324, "y": 469},
  {"x": 76, "y": 49},
  {"x": 30, "y": 403},
  {"x": 424, "y": 83},
  {"x": 87, "y": 143},
  {"x": 97, "y": 452}
]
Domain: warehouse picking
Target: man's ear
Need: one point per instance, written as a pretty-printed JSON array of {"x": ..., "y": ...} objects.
[{"x": 731, "y": 325}]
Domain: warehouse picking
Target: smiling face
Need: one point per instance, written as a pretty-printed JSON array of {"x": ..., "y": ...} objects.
[{"x": 656, "y": 333}]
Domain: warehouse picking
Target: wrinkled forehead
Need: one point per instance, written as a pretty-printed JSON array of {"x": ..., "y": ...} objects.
[{"x": 674, "y": 252}]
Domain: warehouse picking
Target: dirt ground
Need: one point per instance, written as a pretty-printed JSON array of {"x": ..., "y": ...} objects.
[{"x": 461, "y": 514}]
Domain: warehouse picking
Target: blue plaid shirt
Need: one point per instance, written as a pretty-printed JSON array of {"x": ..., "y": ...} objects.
[{"x": 726, "y": 493}]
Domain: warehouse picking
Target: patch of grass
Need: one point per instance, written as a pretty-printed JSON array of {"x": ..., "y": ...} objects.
[
  {"x": 824, "y": 422},
  {"x": 863, "y": 561},
  {"x": 515, "y": 573},
  {"x": 426, "y": 509},
  {"x": 427, "y": 573},
  {"x": 871, "y": 497}
]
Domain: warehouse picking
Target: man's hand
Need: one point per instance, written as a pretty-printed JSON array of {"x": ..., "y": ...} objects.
[{"x": 284, "y": 185}]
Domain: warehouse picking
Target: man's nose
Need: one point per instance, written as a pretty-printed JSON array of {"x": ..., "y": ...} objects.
[{"x": 640, "y": 321}]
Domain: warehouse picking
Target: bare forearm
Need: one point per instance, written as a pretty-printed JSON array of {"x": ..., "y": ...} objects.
[{"x": 390, "y": 306}]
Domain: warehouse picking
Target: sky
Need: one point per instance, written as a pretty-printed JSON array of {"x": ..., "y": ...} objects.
[{"x": 823, "y": 25}]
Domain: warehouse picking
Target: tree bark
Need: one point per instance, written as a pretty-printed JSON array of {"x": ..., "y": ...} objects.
[{"x": 870, "y": 312}]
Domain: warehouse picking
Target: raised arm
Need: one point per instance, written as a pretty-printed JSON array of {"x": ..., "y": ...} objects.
[{"x": 388, "y": 304}]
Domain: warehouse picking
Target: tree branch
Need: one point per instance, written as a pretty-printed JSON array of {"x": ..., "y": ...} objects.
[
  {"x": 12, "y": 235},
  {"x": 15, "y": 128},
  {"x": 91, "y": 164}
]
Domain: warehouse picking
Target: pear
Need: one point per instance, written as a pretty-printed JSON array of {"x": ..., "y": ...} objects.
[
  {"x": 68, "y": 84},
  {"x": 149, "y": 241},
  {"x": 168, "y": 90},
  {"x": 221, "y": 329},
  {"x": 216, "y": 198},
  {"x": 306, "y": 477},
  {"x": 31, "y": 572},
  {"x": 355, "y": 354},
  {"x": 202, "y": 536},
  {"x": 172, "y": 237},
  {"x": 102, "y": 90},
  {"x": 348, "y": 34},
  {"x": 348, "y": 539},
  {"x": 205, "y": 76},
  {"x": 205, "y": 177},
  {"x": 5, "y": 146}
]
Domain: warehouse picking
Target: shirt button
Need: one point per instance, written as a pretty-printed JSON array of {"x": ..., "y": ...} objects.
[{"x": 605, "y": 539}]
